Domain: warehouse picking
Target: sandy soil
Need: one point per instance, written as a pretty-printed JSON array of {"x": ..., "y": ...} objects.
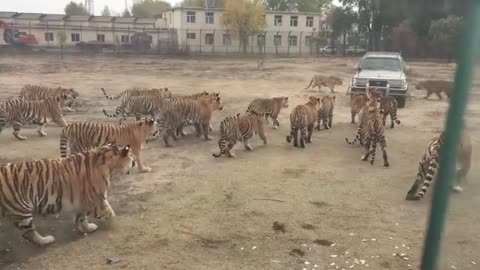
[{"x": 197, "y": 212}]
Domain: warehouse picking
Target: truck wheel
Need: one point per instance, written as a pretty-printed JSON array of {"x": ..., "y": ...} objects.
[{"x": 401, "y": 101}]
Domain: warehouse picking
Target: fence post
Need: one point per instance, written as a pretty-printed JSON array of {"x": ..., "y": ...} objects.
[
  {"x": 288, "y": 48},
  {"x": 226, "y": 44},
  {"x": 252, "y": 46},
  {"x": 159, "y": 49},
  {"x": 276, "y": 43},
  {"x": 300, "y": 44},
  {"x": 213, "y": 44},
  {"x": 200, "y": 39}
]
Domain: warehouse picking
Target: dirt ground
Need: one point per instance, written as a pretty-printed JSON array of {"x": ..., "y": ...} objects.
[{"x": 193, "y": 211}]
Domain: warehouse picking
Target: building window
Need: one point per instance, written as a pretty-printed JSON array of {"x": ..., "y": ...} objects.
[
  {"x": 308, "y": 41},
  {"x": 190, "y": 17},
  {"x": 125, "y": 39},
  {"x": 49, "y": 36},
  {"x": 227, "y": 40},
  {"x": 293, "y": 21},
  {"x": 309, "y": 21},
  {"x": 100, "y": 37},
  {"x": 292, "y": 41},
  {"x": 277, "y": 20},
  {"x": 209, "y": 17},
  {"x": 261, "y": 40},
  {"x": 209, "y": 39},
  {"x": 277, "y": 40},
  {"x": 191, "y": 36},
  {"x": 75, "y": 37}
]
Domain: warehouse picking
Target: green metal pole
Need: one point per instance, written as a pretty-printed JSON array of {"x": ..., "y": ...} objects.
[{"x": 454, "y": 126}]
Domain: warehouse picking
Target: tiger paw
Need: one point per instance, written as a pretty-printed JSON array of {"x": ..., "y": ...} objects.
[
  {"x": 363, "y": 158},
  {"x": 145, "y": 169},
  {"x": 42, "y": 134},
  {"x": 275, "y": 127},
  {"x": 386, "y": 164},
  {"x": 68, "y": 109},
  {"x": 86, "y": 227},
  {"x": 20, "y": 137},
  {"x": 36, "y": 238},
  {"x": 208, "y": 138},
  {"x": 457, "y": 189}
]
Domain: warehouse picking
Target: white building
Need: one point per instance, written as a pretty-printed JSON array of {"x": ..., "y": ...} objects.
[{"x": 193, "y": 29}]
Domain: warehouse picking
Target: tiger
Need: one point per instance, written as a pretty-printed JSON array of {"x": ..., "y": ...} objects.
[
  {"x": 199, "y": 112},
  {"x": 268, "y": 107},
  {"x": 20, "y": 111},
  {"x": 196, "y": 96},
  {"x": 357, "y": 102},
  {"x": 437, "y": 87},
  {"x": 374, "y": 134},
  {"x": 371, "y": 101},
  {"x": 428, "y": 166},
  {"x": 37, "y": 92},
  {"x": 87, "y": 135},
  {"x": 138, "y": 106},
  {"x": 303, "y": 119},
  {"x": 389, "y": 106},
  {"x": 322, "y": 80},
  {"x": 325, "y": 113},
  {"x": 135, "y": 92},
  {"x": 239, "y": 128},
  {"x": 77, "y": 184}
]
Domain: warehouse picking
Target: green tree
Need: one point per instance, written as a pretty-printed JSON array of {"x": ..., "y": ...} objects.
[
  {"x": 446, "y": 33},
  {"x": 150, "y": 8},
  {"x": 298, "y": 5},
  {"x": 73, "y": 8},
  {"x": 341, "y": 20},
  {"x": 106, "y": 11},
  {"x": 245, "y": 18}
]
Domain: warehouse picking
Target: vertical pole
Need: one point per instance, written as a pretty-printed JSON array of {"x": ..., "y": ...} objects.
[
  {"x": 213, "y": 44},
  {"x": 200, "y": 39},
  {"x": 463, "y": 79},
  {"x": 300, "y": 44}
]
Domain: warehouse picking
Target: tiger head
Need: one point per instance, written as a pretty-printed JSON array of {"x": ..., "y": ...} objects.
[
  {"x": 146, "y": 128},
  {"x": 216, "y": 101},
  {"x": 328, "y": 99},
  {"x": 282, "y": 101},
  {"x": 69, "y": 92},
  {"x": 314, "y": 101},
  {"x": 373, "y": 96},
  {"x": 162, "y": 92},
  {"x": 115, "y": 159}
]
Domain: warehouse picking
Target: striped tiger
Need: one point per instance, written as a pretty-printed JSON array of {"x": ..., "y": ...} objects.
[
  {"x": 372, "y": 99},
  {"x": 373, "y": 133},
  {"x": 428, "y": 166},
  {"x": 357, "y": 102},
  {"x": 19, "y": 112},
  {"x": 325, "y": 113},
  {"x": 77, "y": 184},
  {"x": 268, "y": 107},
  {"x": 37, "y": 92},
  {"x": 135, "y": 92},
  {"x": 322, "y": 80},
  {"x": 389, "y": 106},
  {"x": 437, "y": 87},
  {"x": 196, "y": 96},
  {"x": 138, "y": 106},
  {"x": 87, "y": 135},
  {"x": 199, "y": 112},
  {"x": 239, "y": 128},
  {"x": 303, "y": 119}
]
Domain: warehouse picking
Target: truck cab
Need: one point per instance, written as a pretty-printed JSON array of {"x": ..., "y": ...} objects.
[{"x": 385, "y": 71}]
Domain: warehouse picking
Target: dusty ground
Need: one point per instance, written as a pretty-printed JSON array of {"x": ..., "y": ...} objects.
[{"x": 197, "y": 212}]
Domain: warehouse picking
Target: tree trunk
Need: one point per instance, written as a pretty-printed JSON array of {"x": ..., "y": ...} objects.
[{"x": 345, "y": 43}]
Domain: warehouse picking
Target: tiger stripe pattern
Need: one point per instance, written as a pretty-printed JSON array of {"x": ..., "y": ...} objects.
[
  {"x": 389, "y": 106},
  {"x": 325, "y": 113},
  {"x": 85, "y": 136},
  {"x": 322, "y": 80},
  {"x": 77, "y": 184},
  {"x": 37, "y": 92},
  {"x": 135, "y": 92},
  {"x": 239, "y": 128},
  {"x": 357, "y": 102},
  {"x": 374, "y": 134},
  {"x": 302, "y": 120},
  {"x": 268, "y": 107},
  {"x": 199, "y": 112},
  {"x": 429, "y": 164},
  {"x": 372, "y": 101},
  {"x": 20, "y": 112},
  {"x": 138, "y": 106}
]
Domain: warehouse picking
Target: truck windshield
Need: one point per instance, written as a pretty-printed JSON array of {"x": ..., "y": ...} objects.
[{"x": 377, "y": 63}]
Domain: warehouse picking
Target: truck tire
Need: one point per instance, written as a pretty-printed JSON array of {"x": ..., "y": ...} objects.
[{"x": 401, "y": 101}]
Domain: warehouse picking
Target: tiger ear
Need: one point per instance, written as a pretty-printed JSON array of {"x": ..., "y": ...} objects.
[
  {"x": 334, "y": 98},
  {"x": 125, "y": 151}
]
